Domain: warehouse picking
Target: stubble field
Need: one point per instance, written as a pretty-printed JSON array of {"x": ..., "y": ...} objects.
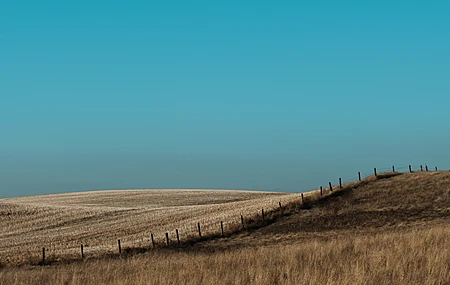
[{"x": 62, "y": 222}]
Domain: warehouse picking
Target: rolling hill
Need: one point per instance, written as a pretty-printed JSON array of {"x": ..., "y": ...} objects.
[{"x": 97, "y": 219}]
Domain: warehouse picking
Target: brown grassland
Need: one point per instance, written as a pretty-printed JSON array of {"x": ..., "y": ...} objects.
[{"x": 387, "y": 230}]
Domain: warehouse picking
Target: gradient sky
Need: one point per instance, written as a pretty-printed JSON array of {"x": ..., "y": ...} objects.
[{"x": 270, "y": 95}]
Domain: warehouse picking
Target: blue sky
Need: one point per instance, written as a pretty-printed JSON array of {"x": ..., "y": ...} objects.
[{"x": 264, "y": 95}]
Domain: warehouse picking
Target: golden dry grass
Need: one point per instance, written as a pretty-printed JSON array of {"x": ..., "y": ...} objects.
[
  {"x": 393, "y": 229},
  {"x": 403, "y": 257}
]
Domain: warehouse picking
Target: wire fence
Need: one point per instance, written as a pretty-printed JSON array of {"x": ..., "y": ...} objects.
[{"x": 377, "y": 171}]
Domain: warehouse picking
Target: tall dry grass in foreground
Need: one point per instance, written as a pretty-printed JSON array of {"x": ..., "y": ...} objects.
[{"x": 413, "y": 256}]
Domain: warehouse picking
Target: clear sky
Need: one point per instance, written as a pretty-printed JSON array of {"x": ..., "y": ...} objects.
[{"x": 270, "y": 95}]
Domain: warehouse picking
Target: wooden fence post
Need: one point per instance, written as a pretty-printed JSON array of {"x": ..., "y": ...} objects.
[
  {"x": 43, "y": 255},
  {"x": 421, "y": 168},
  {"x": 221, "y": 227},
  {"x": 82, "y": 252},
  {"x": 410, "y": 169},
  {"x": 393, "y": 168},
  {"x": 426, "y": 168},
  {"x": 167, "y": 239},
  {"x": 321, "y": 191},
  {"x": 120, "y": 248},
  {"x": 262, "y": 214},
  {"x": 359, "y": 176},
  {"x": 178, "y": 236},
  {"x": 331, "y": 187},
  {"x": 242, "y": 221},
  {"x": 340, "y": 183},
  {"x": 199, "y": 230},
  {"x": 281, "y": 208},
  {"x": 303, "y": 199},
  {"x": 153, "y": 240},
  {"x": 375, "y": 172}
]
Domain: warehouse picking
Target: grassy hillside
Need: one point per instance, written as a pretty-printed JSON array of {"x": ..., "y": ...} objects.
[
  {"x": 389, "y": 203},
  {"x": 393, "y": 229}
]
